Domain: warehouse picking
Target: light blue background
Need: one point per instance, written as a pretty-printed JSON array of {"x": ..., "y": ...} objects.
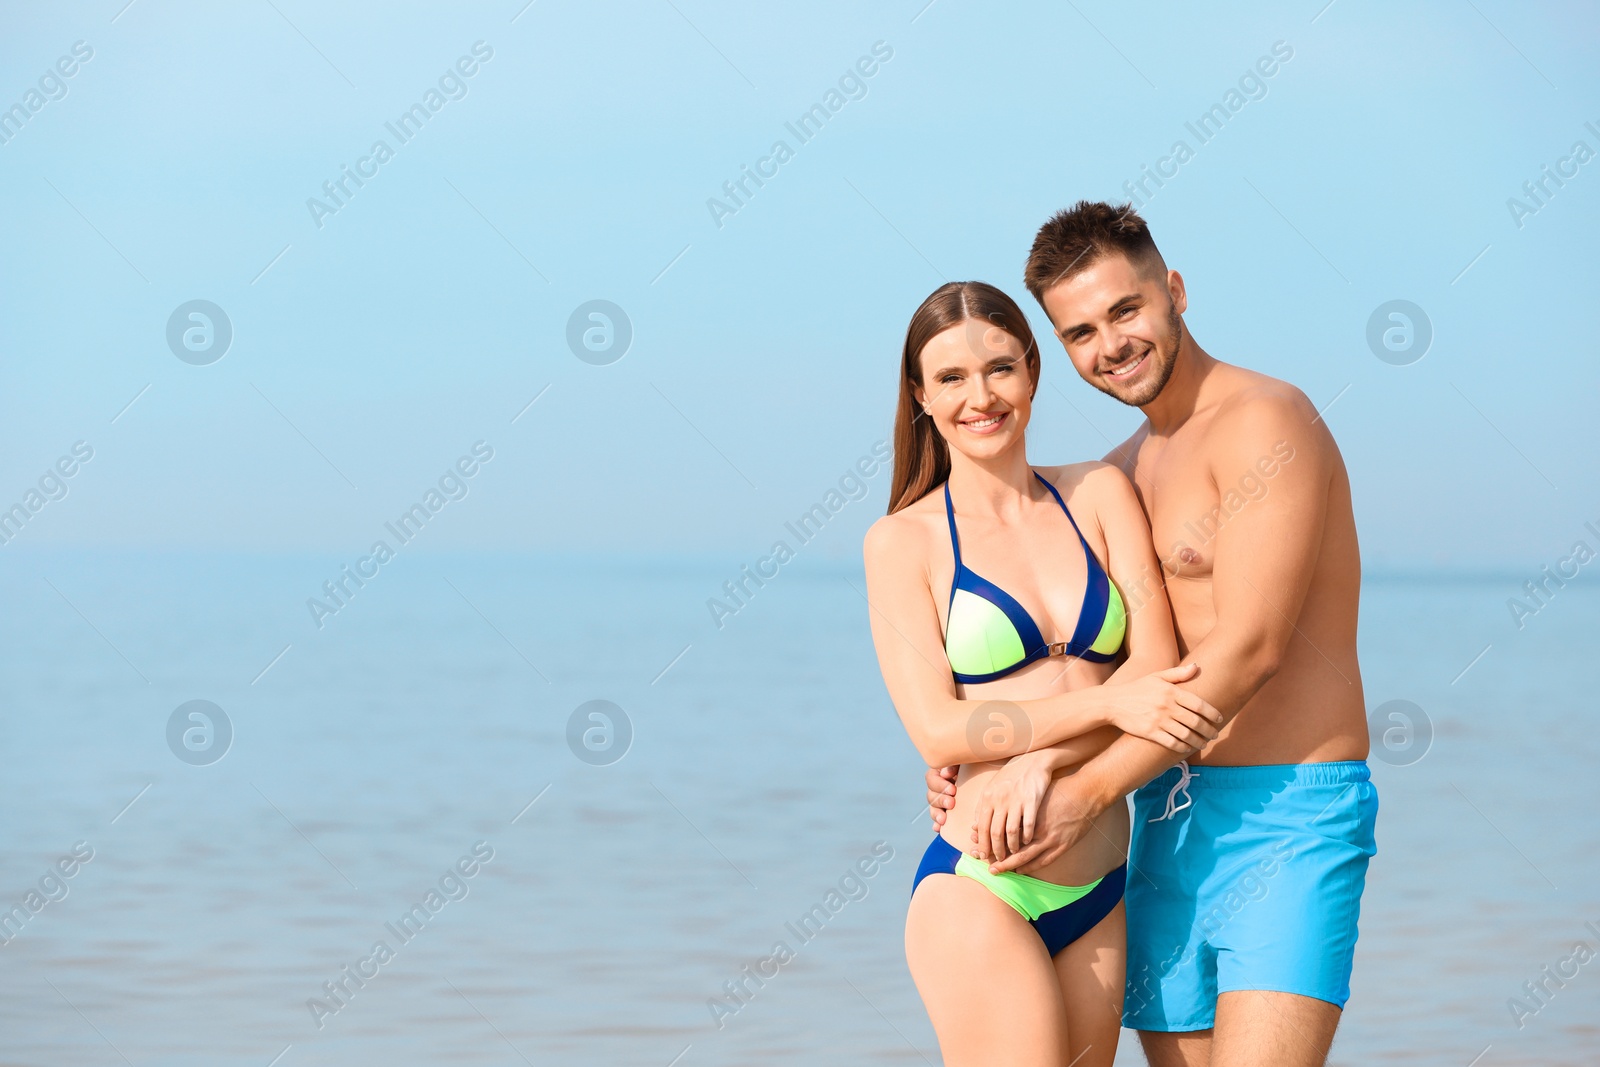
[
  {"x": 368, "y": 354},
  {"x": 406, "y": 327}
]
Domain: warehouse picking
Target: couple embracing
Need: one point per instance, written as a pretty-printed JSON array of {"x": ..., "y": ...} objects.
[{"x": 1177, "y": 622}]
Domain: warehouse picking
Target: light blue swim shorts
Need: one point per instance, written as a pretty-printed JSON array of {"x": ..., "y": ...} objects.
[{"x": 1244, "y": 878}]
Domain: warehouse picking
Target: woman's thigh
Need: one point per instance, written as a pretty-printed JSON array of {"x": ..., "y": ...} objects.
[
  {"x": 1090, "y": 975},
  {"x": 984, "y": 976}
]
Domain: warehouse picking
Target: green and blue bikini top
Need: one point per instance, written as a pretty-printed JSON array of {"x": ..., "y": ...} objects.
[{"x": 989, "y": 635}]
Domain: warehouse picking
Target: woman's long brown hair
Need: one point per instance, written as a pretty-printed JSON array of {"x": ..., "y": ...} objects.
[{"x": 921, "y": 457}]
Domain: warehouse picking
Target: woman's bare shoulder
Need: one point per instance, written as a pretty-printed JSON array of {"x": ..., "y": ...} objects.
[
  {"x": 1094, "y": 478},
  {"x": 906, "y": 534}
]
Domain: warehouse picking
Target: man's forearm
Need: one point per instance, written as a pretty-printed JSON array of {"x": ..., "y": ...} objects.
[
  {"x": 1128, "y": 763},
  {"x": 1229, "y": 676},
  {"x": 1078, "y": 750}
]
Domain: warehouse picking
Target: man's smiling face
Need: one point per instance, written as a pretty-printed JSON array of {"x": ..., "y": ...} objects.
[{"x": 1120, "y": 325}]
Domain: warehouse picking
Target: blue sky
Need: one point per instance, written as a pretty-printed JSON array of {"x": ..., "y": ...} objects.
[{"x": 576, "y": 161}]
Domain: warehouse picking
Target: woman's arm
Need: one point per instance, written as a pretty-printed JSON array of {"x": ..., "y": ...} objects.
[
  {"x": 1004, "y": 818},
  {"x": 906, "y": 635},
  {"x": 1131, "y": 562},
  {"x": 948, "y": 730}
]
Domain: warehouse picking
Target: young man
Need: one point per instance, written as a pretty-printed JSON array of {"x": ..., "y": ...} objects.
[{"x": 1247, "y": 861}]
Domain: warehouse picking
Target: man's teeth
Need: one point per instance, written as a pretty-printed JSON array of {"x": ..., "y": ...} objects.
[{"x": 1126, "y": 369}]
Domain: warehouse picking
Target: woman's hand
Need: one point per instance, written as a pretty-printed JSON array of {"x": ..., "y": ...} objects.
[
  {"x": 1008, "y": 810},
  {"x": 1154, "y": 708}
]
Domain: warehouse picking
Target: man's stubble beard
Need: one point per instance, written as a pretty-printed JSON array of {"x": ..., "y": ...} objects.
[{"x": 1165, "y": 357}]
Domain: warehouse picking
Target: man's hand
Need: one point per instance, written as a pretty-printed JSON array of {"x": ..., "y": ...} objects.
[
  {"x": 941, "y": 793},
  {"x": 1009, "y": 806},
  {"x": 1066, "y": 817}
]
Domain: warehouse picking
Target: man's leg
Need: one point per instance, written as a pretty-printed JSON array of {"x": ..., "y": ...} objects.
[
  {"x": 1286, "y": 912},
  {"x": 1256, "y": 1028},
  {"x": 1192, "y": 1049},
  {"x": 1171, "y": 991}
]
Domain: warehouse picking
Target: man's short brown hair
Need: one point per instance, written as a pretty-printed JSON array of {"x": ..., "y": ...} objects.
[{"x": 1077, "y": 238}]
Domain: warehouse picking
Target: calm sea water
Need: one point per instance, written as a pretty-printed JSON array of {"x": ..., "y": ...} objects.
[{"x": 430, "y": 716}]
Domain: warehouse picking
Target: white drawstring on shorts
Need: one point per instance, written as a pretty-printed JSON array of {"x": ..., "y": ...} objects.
[{"x": 1182, "y": 784}]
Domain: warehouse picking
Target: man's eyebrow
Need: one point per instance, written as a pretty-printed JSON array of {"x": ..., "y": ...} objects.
[{"x": 1131, "y": 298}]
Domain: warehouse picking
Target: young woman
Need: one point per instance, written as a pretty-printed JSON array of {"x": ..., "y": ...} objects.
[{"x": 1006, "y": 675}]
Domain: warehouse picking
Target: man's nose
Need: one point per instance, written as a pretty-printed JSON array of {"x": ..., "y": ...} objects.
[{"x": 1112, "y": 345}]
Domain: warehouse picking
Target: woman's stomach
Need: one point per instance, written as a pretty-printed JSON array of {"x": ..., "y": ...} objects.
[
  {"x": 1097, "y": 853},
  {"x": 1105, "y": 846}
]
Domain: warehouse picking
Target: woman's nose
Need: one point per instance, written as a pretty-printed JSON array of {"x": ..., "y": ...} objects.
[{"x": 980, "y": 394}]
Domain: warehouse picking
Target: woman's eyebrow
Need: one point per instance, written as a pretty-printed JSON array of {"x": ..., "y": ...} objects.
[{"x": 988, "y": 365}]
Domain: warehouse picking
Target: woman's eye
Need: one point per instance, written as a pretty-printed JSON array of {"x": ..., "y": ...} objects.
[{"x": 949, "y": 379}]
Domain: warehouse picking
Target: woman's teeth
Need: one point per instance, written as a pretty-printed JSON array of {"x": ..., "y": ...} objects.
[{"x": 984, "y": 423}]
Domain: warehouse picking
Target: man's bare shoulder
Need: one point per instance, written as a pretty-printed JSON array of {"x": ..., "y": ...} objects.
[
  {"x": 1260, "y": 395},
  {"x": 1260, "y": 413},
  {"x": 1125, "y": 456}
]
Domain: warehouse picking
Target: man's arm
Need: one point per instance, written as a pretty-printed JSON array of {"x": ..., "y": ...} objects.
[
  {"x": 1151, "y": 647},
  {"x": 1265, "y": 555},
  {"x": 1105, "y": 497}
]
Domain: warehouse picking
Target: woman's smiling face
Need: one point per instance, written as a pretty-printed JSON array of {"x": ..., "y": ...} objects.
[{"x": 976, "y": 388}]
